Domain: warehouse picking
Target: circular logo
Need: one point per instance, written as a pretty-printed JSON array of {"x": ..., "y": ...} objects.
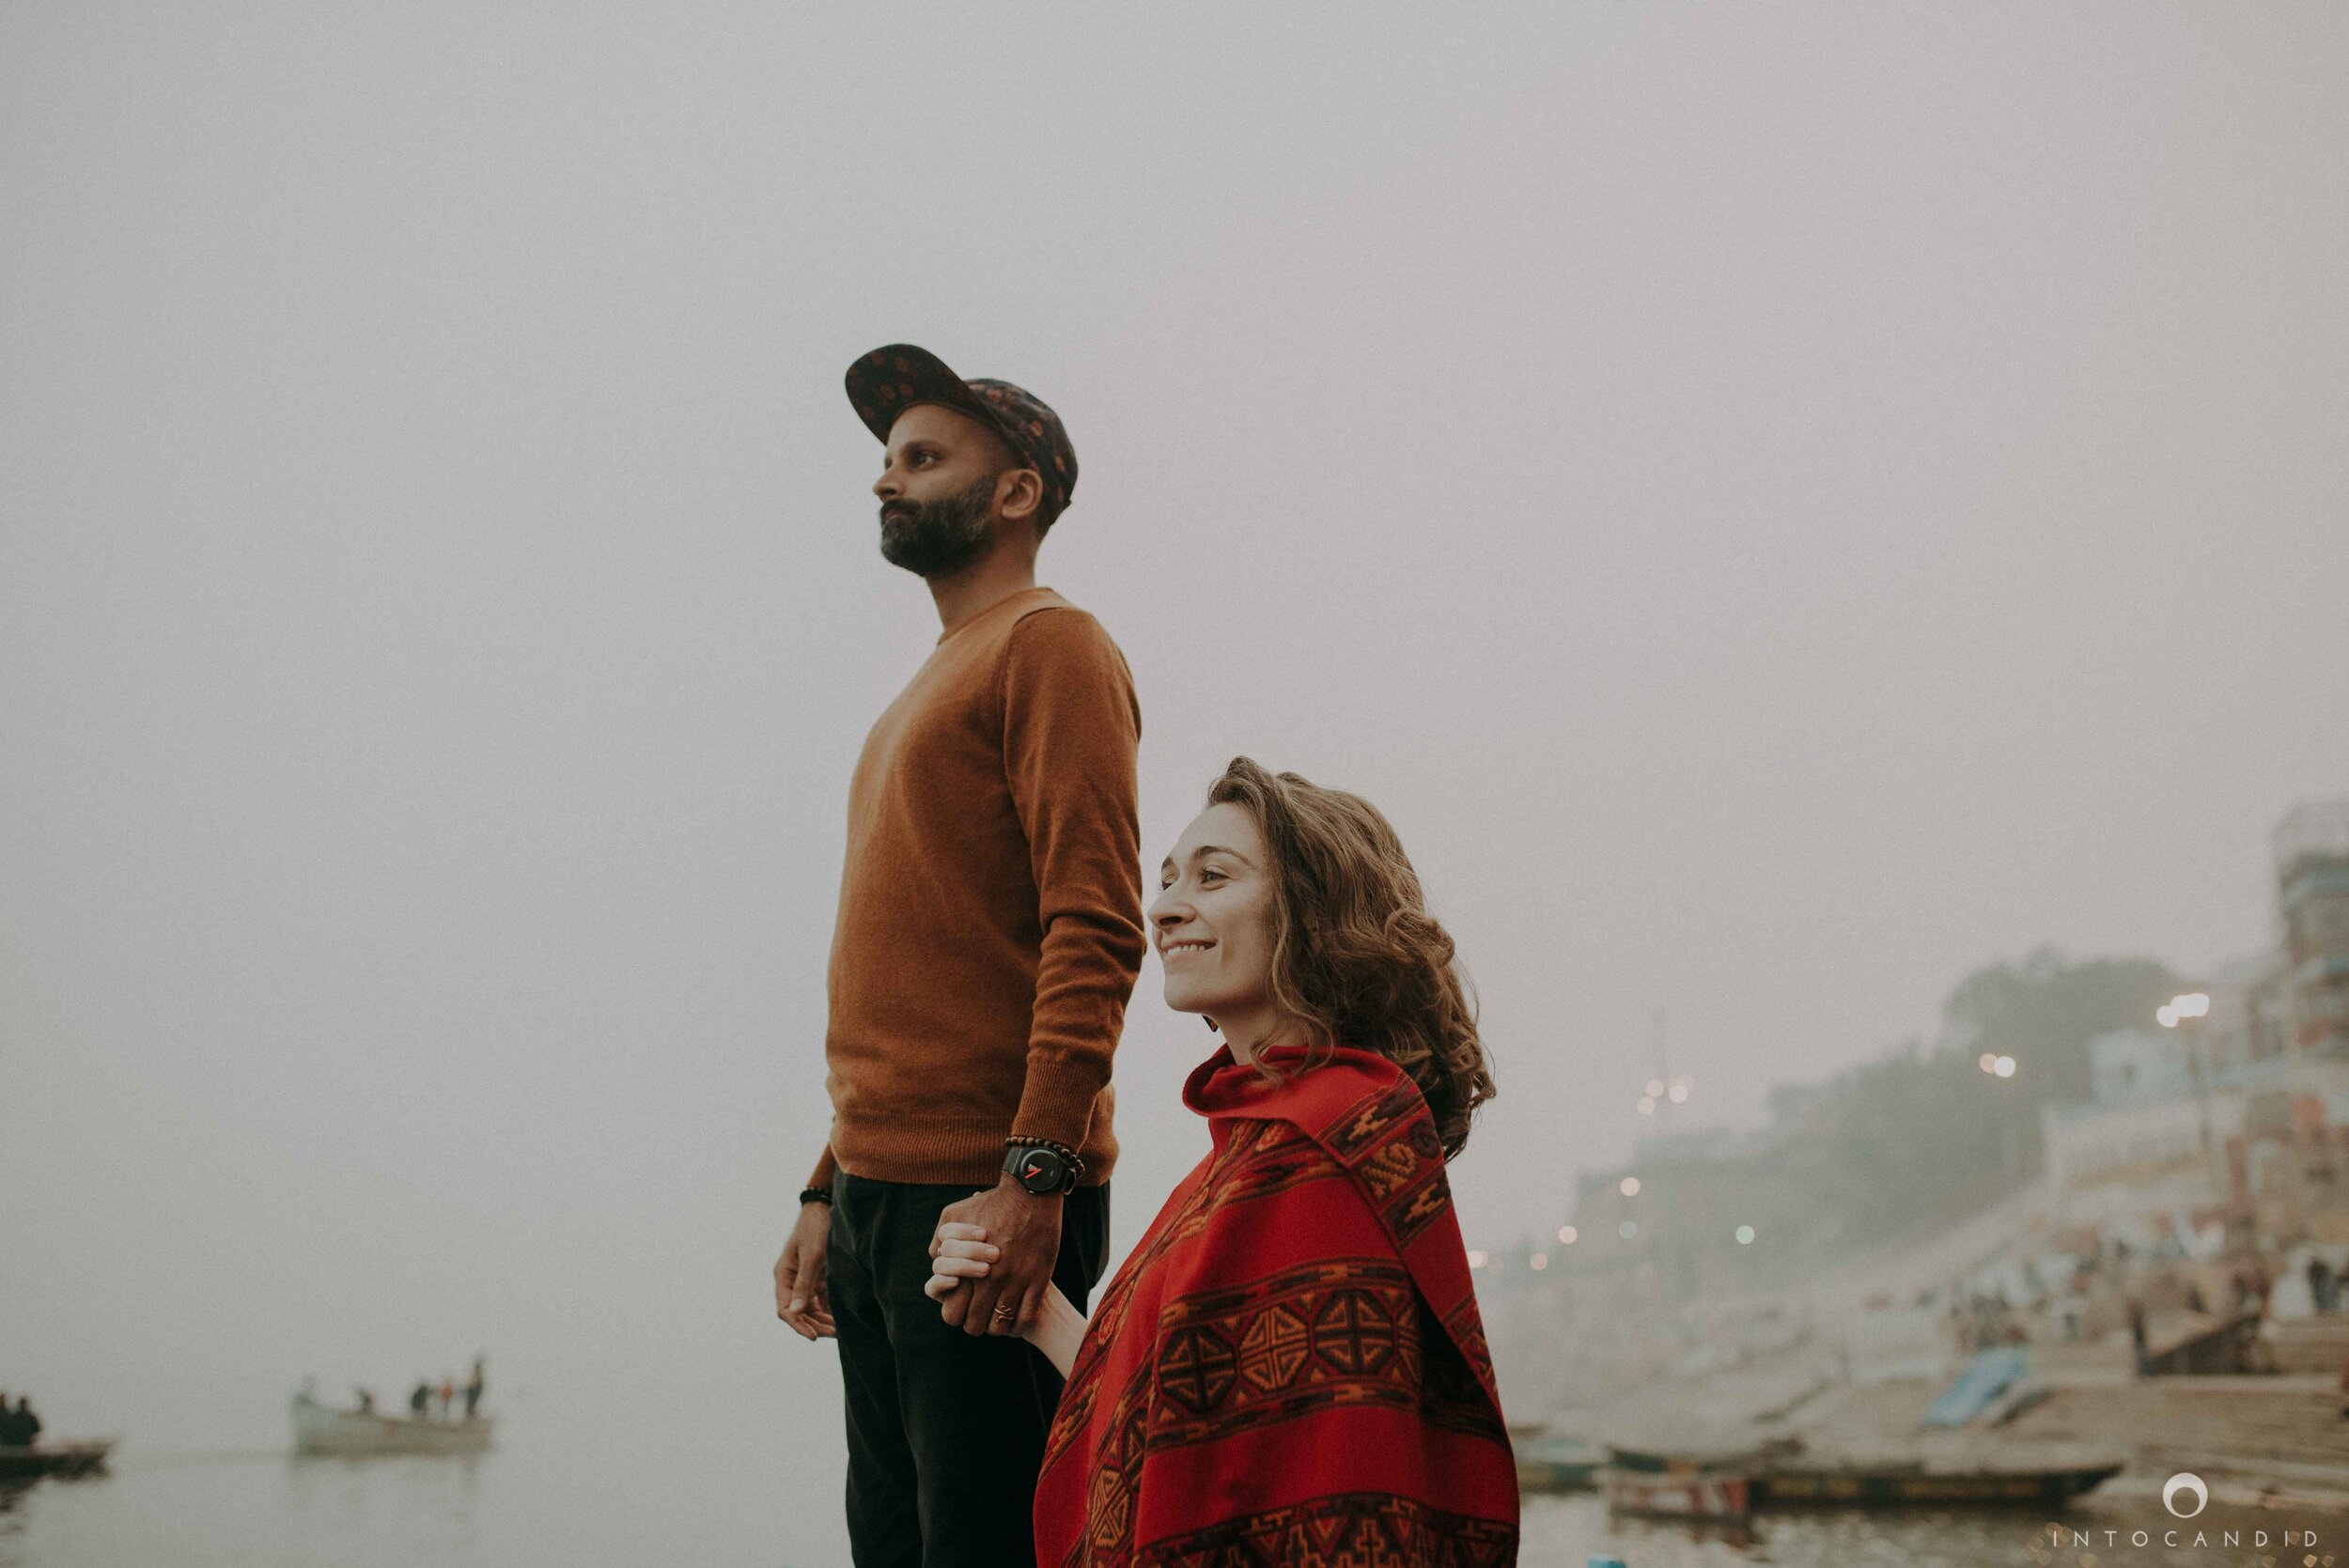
[{"x": 2185, "y": 1483}]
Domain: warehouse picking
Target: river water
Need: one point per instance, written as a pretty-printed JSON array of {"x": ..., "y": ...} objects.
[{"x": 753, "y": 1477}]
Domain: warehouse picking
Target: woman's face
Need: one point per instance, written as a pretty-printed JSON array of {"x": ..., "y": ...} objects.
[{"x": 1212, "y": 920}]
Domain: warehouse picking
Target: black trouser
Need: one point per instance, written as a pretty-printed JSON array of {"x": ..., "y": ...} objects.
[{"x": 945, "y": 1429}]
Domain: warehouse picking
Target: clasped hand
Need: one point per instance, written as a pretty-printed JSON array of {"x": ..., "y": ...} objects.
[
  {"x": 1015, "y": 1237},
  {"x": 959, "y": 1252},
  {"x": 963, "y": 1260}
]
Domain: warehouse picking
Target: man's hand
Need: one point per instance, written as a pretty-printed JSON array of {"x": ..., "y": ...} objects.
[
  {"x": 801, "y": 1298},
  {"x": 1025, "y": 1230}
]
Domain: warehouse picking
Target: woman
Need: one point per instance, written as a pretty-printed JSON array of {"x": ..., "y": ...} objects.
[{"x": 1289, "y": 1368}]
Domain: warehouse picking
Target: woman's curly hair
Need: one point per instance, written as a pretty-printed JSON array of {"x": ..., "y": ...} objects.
[{"x": 1356, "y": 956}]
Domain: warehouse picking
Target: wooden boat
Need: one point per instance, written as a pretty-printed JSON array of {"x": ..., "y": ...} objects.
[
  {"x": 355, "y": 1433},
  {"x": 1912, "y": 1485},
  {"x": 1707, "y": 1495},
  {"x": 1747, "y": 1457},
  {"x": 64, "y": 1459},
  {"x": 1558, "y": 1465},
  {"x": 1686, "y": 1483}
]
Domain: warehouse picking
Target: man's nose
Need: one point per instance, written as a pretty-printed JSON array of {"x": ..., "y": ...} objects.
[{"x": 886, "y": 487}]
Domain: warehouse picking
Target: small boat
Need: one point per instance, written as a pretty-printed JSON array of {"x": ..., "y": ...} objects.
[
  {"x": 1558, "y": 1465},
  {"x": 1688, "y": 1459},
  {"x": 1706, "y": 1494},
  {"x": 352, "y": 1432},
  {"x": 1912, "y": 1485},
  {"x": 1687, "y": 1484},
  {"x": 64, "y": 1459}
]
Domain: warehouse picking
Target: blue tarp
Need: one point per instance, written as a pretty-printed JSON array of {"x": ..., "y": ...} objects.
[{"x": 1990, "y": 1373}]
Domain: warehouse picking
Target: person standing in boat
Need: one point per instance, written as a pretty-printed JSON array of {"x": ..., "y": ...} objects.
[
  {"x": 1290, "y": 1364},
  {"x": 987, "y": 938},
  {"x": 420, "y": 1400},
  {"x": 474, "y": 1386}
]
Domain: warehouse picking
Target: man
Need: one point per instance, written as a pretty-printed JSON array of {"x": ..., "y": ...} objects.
[
  {"x": 475, "y": 1386},
  {"x": 988, "y": 935}
]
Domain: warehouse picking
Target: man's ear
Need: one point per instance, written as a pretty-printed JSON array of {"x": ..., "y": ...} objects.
[{"x": 1019, "y": 494}]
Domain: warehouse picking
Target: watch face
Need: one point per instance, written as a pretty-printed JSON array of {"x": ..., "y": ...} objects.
[{"x": 1041, "y": 1169}]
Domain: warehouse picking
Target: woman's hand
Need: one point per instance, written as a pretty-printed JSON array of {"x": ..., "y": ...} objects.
[
  {"x": 957, "y": 1252},
  {"x": 962, "y": 1251}
]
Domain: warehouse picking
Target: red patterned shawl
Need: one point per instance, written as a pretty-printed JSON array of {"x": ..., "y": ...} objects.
[{"x": 1290, "y": 1369}]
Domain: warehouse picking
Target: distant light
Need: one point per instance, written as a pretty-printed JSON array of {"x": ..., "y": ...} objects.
[
  {"x": 1629, "y": 1186},
  {"x": 2194, "y": 1004},
  {"x": 2166, "y": 1015},
  {"x": 1628, "y": 1229},
  {"x": 1647, "y": 1105},
  {"x": 1477, "y": 1260},
  {"x": 1568, "y": 1236},
  {"x": 1679, "y": 1094},
  {"x": 1539, "y": 1262},
  {"x": 2005, "y": 1067},
  {"x": 1987, "y": 1061},
  {"x": 1745, "y": 1236},
  {"x": 1656, "y": 1089}
]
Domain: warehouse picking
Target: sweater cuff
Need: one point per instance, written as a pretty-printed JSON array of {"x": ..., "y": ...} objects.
[{"x": 1056, "y": 1104}]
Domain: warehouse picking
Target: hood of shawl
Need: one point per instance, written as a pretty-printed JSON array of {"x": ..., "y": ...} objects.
[{"x": 1221, "y": 1087}]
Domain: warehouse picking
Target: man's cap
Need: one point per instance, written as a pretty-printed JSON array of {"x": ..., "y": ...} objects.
[{"x": 889, "y": 380}]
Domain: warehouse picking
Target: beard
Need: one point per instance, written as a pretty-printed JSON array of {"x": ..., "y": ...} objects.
[{"x": 938, "y": 539}]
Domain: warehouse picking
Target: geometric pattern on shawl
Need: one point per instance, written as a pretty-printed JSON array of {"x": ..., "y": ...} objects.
[{"x": 1289, "y": 1368}]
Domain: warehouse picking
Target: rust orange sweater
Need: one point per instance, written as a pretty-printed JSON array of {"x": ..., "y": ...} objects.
[{"x": 991, "y": 909}]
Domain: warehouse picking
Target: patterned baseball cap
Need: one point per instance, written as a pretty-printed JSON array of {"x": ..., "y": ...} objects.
[{"x": 890, "y": 380}]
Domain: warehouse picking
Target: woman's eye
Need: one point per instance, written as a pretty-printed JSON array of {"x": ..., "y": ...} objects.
[{"x": 1211, "y": 875}]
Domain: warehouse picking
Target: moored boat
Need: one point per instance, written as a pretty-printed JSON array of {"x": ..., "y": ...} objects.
[
  {"x": 353, "y": 1432},
  {"x": 1707, "y": 1495},
  {"x": 1558, "y": 1465},
  {"x": 1913, "y": 1485},
  {"x": 64, "y": 1459}
]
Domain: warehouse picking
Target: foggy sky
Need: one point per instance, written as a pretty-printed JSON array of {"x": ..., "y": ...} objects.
[{"x": 1779, "y": 506}]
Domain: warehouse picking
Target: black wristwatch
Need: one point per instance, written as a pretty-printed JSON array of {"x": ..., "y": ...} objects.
[{"x": 1040, "y": 1170}]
